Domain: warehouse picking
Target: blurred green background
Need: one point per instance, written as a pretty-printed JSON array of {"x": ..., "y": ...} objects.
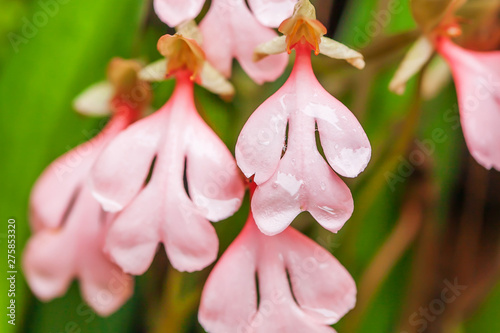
[{"x": 426, "y": 214}]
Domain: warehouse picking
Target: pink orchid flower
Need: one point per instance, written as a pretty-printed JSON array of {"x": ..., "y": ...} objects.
[
  {"x": 477, "y": 80},
  {"x": 68, "y": 222},
  {"x": 144, "y": 171},
  {"x": 283, "y": 283},
  {"x": 230, "y": 26},
  {"x": 54, "y": 257},
  {"x": 278, "y": 143}
]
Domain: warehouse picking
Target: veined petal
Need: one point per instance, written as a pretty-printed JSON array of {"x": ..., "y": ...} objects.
[
  {"x": 175, "y": 12},
  {"x": 272, "y": 13},
  {"x": 477, "y": 79}
]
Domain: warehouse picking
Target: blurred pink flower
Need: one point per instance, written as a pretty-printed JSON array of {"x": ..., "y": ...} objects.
[
  {"x": 272, "y": 12},
  {"x": 477, "y": 80},
  {"x": 70, "y": 227},
  {"x": 54, "y": 257},
  {"x": 142, "y": 173},
  {"x": 283, "y": 283},
  {"x": 175, "y": 12},
  {"x": 58, "y": 186},
  {"x": 269, "y": 12},
  {"x": 230, "y": 26},
  {"x": 278, "y": 145}
]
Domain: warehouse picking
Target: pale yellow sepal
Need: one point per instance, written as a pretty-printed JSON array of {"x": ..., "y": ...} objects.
[
  {"x": 155, "y": 71},
  {"x": 95, "y": 100},
  {"x": 327, "y": 46},
  {"x": 276, "y": 45},
  {"x": 189, "y": 29},
  {"x": 418, "y": 55},
  {"x": 435, "y": 78},
  {"x": 336, "y": 50},
  {"x": 214, "y": 81},
  {"x": 210, "y": 78}
]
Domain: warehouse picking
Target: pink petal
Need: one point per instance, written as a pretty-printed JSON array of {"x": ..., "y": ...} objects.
[
  {"x": 54, "y": 257},
  {"x": 261, "y": 142},
  {"x": 105, "y": 287},
  {"x": 47, "y": 277},
  {"x": 269, "y": 259},
  {"x": 321, "y": 285},
  {"x": 121, "y": 170},
  {"x": 233, "y": 278},
  {"x": 190, "y": 240},
  {"x": 174, "y": 12},
  {"x": 302, "y": 183},
  {"x": 477, "y": 80},
  {"x": 272, "y": 12},
  {"x": 133, "y": 237},
  {"x": 217, "y": 35},
  {"x": 211, "y": 170},
  {"x": 230, "y": 26},
  {"x": 54, "y": 191},
  {"x": 344, "y": 141}
]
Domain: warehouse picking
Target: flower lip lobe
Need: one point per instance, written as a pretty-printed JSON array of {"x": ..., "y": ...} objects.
[{"x": 305, "y": 301}]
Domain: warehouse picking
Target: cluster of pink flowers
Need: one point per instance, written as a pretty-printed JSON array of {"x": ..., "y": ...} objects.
[{"x": 103, "y": 208}]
